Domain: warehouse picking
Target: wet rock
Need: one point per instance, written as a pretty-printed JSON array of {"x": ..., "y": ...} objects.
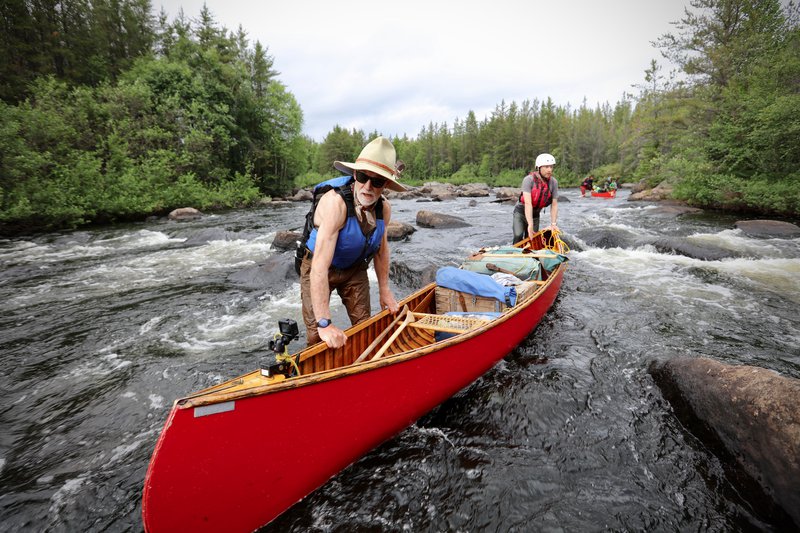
[
  {"x": 286, "y": 240},
  {"x": 439, "y": 191},
  {"x": 412, "y": 273},
  {"x": 303, "y": 195},
  {"x": 397, "y": 231},
  {"x": 185, "y": 213},
  {"x": 563, "y": 200},
  {"x": 675, "y": 210},
  {"x": 751, "y": 415},
  {"x": 473, "y": 203},
  {"x": 271, "y": 275},
  {"x": 768, "y": 229},
  {"x": 570, "y": 241},
  {"x": 434, "y": 187},
  {"x": 429, "y": 219},
  {"x": 205, "y": 236},
  {"x": 695, "y": 251},
  {"x": 473, "y": 190},
  {"x": 639, "y": 186},
  {"x": 506, "y": 193},
  {"x": 662, "y": 191},
  {"x": 410, "y": 194},
  {"x": 607, "y": 237}
]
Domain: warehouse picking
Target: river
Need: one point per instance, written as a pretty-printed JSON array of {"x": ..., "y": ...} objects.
[{"x": 103, "y": 328}]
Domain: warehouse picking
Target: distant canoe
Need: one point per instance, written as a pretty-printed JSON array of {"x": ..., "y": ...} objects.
[
  {"x": 607, "y": 194},
  {"x": 235, "y": 456}
]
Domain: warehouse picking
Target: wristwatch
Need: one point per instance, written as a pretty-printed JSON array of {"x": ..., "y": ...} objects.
[{"x": 323, "y": 323}]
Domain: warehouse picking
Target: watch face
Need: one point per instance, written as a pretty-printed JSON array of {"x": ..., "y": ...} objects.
[{"x": 324, "y": 323}]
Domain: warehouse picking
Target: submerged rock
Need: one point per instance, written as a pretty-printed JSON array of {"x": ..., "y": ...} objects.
[
  {"x": 205, "y": 236},
  {"x": 429, "y": 219},
  {"x": 752, "y": 412},
  {"x": 702, "y": 252},
  {"x": 768, "y": 229},
  {"x": 607, "y": 237}
]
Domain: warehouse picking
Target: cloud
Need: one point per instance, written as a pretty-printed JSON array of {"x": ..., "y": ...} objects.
[{"x": 395, "y": 67}]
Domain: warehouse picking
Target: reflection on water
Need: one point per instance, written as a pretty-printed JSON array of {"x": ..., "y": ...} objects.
[{"x": 103, "y": 329}]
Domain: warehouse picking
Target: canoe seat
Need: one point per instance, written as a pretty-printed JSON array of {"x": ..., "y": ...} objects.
[{"x": 446, "y": 323}]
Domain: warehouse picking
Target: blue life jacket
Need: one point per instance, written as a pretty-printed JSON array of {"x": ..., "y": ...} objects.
[{"x": 353, "y": 245}]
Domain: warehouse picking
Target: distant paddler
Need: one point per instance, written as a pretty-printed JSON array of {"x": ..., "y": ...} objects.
[{"x": 345, "y": 230}]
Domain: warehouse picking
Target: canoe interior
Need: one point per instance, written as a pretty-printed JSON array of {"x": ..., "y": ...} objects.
[{"x": 318, "y": 358}]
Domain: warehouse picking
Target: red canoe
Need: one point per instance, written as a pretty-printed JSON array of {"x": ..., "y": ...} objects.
[
  {"x": 235, "y": 456},
  {"x": 607, "y": 194}
]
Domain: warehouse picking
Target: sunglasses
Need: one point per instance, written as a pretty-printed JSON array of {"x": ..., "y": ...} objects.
[{"x": 377, "y": 183}]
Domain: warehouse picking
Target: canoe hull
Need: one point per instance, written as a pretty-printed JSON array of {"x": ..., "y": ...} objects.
[
  {"x": 609, "y": 194},
  {"x": 237, "y": 465}
]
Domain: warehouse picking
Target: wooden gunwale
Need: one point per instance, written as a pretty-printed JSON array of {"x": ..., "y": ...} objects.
[{"x": 222, "y": 393}]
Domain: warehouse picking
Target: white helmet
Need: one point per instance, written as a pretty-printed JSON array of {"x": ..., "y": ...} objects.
[{"x": 544, "y": 160}]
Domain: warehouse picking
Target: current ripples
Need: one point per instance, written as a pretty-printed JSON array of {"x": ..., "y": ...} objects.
[{"x": 103, "y": 329}]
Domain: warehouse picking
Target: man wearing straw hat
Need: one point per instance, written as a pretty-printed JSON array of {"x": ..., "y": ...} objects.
[{"x": 345, "y": 229}]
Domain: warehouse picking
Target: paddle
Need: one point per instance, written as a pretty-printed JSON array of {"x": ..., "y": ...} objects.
[{"x": 495, "y": 268}]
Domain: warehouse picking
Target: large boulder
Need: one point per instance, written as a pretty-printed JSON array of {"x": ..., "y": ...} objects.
[
  {"x": 185, "y": 213},
  {"x": 204, "y": 236},
  {"x": 639, "y": 186},
  {"x": 412, "y": 273},
  {"x": 272, "y": 275},
  {"x": 705, "y": 252},
  {"x": 507, "y": 193},
  {"x": 397, "y": 231},
  {"x": 439, "y": 191},
  {"x": 604, "y": 237},
  {"x": 303, "y": 195},
  {"x": 429, "y": 219},
  {"x": 286, "y": 240},
  {"x": 768, "y": 229},
  {"x": 473, "y": 190},
  {"x": 411, "y": 193},
  {"x": 753, "y": 413},
  {"x": 662, "y": 191},
  {"x": 674, "y": 210}
]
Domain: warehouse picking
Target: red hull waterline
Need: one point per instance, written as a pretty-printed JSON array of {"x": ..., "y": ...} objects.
[
  {"x": 236, "y": 465},
  {"x": 609, "y": 194}
]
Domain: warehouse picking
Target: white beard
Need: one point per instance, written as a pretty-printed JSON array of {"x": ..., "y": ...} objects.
[{"x": 367, "y": 203}]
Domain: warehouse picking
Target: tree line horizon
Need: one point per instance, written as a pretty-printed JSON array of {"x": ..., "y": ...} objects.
[{"x": 110, "y": 113}]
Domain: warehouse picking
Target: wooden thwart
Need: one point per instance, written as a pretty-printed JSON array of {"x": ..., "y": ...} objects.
[
  {"x": 409, "y": 317},
  {"x": 383, "y": 334},
  {"x": 406, "y": 318}
]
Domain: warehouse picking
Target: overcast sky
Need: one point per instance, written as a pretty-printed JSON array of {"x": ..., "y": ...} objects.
[{"x": 395, "y": 66}]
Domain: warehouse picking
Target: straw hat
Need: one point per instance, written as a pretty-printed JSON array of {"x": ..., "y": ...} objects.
[{"x": 378, "y": 156}]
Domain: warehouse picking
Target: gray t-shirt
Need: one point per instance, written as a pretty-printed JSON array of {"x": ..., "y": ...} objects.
[{"x": 527, "y": 186}]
